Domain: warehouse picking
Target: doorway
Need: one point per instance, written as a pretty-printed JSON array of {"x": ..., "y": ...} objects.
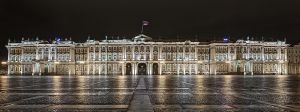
[
  {"x": 142, "y": 69},
  {"x": 155, "y": 69},
  {"x": 128, "y": 69}
]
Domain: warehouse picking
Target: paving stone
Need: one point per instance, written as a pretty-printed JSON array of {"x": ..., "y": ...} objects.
[
  {"x": 6, "y": 98},
  {"x": 79, "y": 99},
  {"x": 150, "y": 93}
]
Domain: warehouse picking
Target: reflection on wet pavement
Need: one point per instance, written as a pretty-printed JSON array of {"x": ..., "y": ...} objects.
[{"x": 150, "y": 93}]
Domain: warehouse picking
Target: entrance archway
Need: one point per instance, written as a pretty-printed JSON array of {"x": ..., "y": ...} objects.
[
  {"x": 128, "y": 69},
  {"x": 46, "y": 69},
  {"x": 238, "y": 69},
  {"x": 155, "y": 69},
  {"x": 142, "y": 69}
]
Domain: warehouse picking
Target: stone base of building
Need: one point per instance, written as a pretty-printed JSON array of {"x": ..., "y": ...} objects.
[{"x": 53, "y": 74}]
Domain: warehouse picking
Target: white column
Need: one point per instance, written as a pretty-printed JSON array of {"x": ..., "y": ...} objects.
[
  {"x": 139, "y": 53},
  {"x": 33, "y": 69},
  {"x": 212, "y": 60},
  {"x": 106, "y": 68},
  {"x": 234, "y": 57},
  {"x": 151, "y": 53},
  {"x": 21, "y": 67},
  {"x": 136, "y": 69},
  {"x": 252, "y": 64},
  {"x": 88, "y": 53},
  {"x": 99, "y": 54},
  {"x": 285, "y": 54},
  {"x": 133, "y": 69},
  {"x": 88, "y": 60},
  {"x": 263, "y": 53},
  {"x": 144, "y": 53},
  {"x": 228, "y": 53},
  {"x": 40, "y": 68},
  {"x": 183, "y": 53},
  {"x": 278, "y": 53},
  {"x": 229, "y": 59},
  {"x": 190, "y": 68},
  {"x": 100, "y": 68},
  {"x": 22, "y": 55},
  {"x": 36, "y": 53},
  {"x": 184, "y": 68},
  {"x": 160, "y": 52},
  {"x": 280, "y": 67},
  {"x": 8, "y": 54},
  {"x": 123, "y": 68},
  {"x": 88, "y": 69},
  {"x": 49, "y": 53},
  {"x": 244, "y": 66},
  {"x": 178, "y": 68},
  {"x": 196, "y": 59},
  {"x": 196, "y": 68},
  {"x": 196, "y": 53},
  {"x": 9, "y": 69},
  {"x": 263, "y": 59},
  {"x": 176, "y": 59},
  {"x": 160, "y": 67},
  {"x": 43, "y": 50},
  {"x": 55, "y": 54},
  {"x": 148, "y": 69},
  {"x": 183, "y": 59},
  {"x": 94, "y": 68},
  {"x": 124, "y": 52},
  {"x": 106, "y": 60},
  {"x": 72, "y": 54},
  {"x": 133, "y": 54},
  {"x": 248, "y": 51},
  {"x": 151, "y": 68},
  {"x": 8, "y": 60},
  {"x": 94, "y": 56}
]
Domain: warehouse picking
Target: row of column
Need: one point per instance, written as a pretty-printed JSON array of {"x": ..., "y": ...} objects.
[
  {"x": 246, "y": 68},
  {"x": 124, "y": 52}
]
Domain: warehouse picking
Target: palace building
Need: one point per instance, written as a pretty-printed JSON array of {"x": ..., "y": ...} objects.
[
  {"x": 143, "y": 56},
  {"x": 294, "y": 59}
]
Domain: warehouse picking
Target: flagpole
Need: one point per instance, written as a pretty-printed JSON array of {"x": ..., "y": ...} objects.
[{"x": 142, "y": 28}]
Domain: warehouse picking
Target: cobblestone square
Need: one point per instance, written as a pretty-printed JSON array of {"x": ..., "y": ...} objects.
[{"x": 150, "y": 93}]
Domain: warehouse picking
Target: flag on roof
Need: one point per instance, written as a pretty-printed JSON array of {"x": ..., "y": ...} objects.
[{"x": 145, "y": 23}]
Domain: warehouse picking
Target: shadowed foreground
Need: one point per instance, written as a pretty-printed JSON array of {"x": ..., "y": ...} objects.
[{"x": 150, "y": 93}]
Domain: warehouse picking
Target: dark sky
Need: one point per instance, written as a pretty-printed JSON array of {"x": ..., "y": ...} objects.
[{"x": 205, "y": 19}]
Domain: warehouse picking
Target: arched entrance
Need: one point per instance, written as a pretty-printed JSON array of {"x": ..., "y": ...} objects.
[
  {"x": 142, "y": 69},
  {"x": 155, "y": 69},
  {"x": 128, "y": 69},
  {"x": 238, "y": 69},
  {"x": 46, "y": 69}
]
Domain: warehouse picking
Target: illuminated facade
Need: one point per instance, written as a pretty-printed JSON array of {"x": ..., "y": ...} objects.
[
  {"x": 294, "y": 59},
  {"x": 143, "y": 56}
]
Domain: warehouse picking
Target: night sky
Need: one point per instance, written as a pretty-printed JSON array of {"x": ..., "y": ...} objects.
[{"x": 169, "y": 19}]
